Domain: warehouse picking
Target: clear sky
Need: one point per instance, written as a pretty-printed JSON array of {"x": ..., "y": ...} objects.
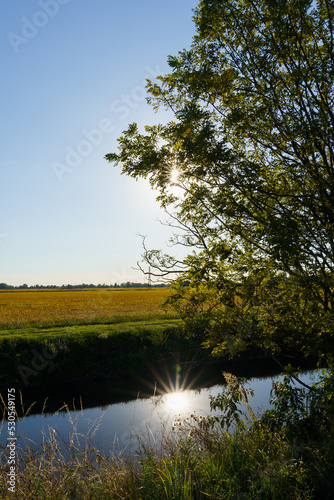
[{"x": 73, "y": 77}]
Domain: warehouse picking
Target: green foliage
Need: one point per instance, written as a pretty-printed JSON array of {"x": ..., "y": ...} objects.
[
  {"x": 304, "y": 414},
  {"x": 229, "y": 402},
  {"x": 287, "y": 452},
  {"x": 253, "y": 143}
]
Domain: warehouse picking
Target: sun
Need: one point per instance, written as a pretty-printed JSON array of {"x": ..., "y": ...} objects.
[
  {"x": 174, "y": 176},
  {"x": 176, "y": 182},
  {"x": 176, "y": 401}
]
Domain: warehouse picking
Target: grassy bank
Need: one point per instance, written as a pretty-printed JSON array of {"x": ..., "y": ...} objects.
[
  {"x": 40, "y": 356},
  {"x": 73, "y": 335},
  {"x": 67, "y": 335},
  {"x": 280, "y": 455}
]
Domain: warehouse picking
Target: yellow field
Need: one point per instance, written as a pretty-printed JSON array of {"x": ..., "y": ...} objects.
[{"x": 58, "y": 306}]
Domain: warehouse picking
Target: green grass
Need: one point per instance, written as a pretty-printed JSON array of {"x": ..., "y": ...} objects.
[
  {"x": 57, "y": 323},
  {"x": 112, "y": 326}
]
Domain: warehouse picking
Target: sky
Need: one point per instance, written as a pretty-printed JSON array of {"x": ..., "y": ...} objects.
[{"x": 73, "y": 78}]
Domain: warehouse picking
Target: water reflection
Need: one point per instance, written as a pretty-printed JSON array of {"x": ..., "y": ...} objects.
[
  {"x": 177, "y": 401},
  {"x": 151, "y": 382},
  {"x": 114, "y": 417}
]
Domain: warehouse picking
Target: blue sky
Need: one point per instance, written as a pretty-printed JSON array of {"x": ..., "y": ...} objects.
[{"x": 73, "y": 77}]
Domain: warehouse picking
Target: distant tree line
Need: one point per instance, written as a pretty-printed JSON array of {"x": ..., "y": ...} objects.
[{"x": 128, "y": 284}]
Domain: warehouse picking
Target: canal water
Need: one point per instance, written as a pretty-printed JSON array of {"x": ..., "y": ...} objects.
[{"x": 116, "y": 415}]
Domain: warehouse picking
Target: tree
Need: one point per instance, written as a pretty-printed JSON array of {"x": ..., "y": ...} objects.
[{"x": 251, "y": 146}]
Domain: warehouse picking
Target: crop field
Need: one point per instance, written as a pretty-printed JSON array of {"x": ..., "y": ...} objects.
[{"x": 61, "y": 307}]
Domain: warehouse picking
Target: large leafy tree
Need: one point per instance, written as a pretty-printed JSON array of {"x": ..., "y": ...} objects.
[{"x": 251, "y": 152}]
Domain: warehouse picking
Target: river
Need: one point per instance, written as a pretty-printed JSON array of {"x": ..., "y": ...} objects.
[{"x": 115, "y": 414}]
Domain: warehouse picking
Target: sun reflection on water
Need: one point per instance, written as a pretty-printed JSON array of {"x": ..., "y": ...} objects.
[{"x": 176, "y": 401}]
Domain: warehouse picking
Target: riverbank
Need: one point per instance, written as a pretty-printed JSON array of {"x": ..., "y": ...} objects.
[
  {"x": 34, "y": 357},
  {"x": 40, "y": 356},
  {"x": 54, "y": 337},
  {"x": 61, "y": 336}
]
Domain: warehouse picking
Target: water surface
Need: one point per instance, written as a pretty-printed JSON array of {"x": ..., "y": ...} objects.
[{"x": 116, "y": 414}]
